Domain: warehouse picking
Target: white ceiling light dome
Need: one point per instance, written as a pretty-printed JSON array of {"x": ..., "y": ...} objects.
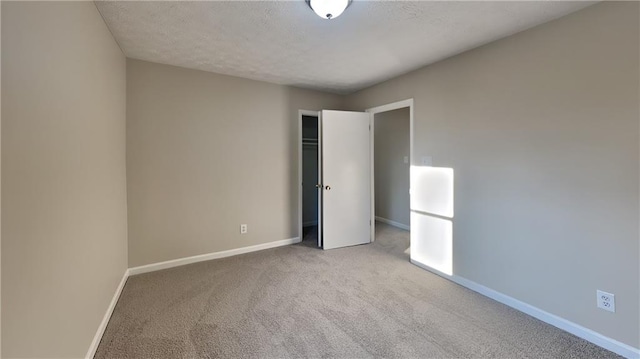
[{"x": 328, "y": 9}]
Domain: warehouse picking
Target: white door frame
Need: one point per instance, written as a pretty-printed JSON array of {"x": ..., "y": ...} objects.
[
  {"x": 299, "y": 141},
  {"x": 373, "y": 111}
]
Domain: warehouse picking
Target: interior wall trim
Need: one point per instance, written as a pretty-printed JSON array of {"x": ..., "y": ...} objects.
[
  {"x": 587, "y": 334},
  {"x": 170, "y": 264},
  {"x": 393, "y": 223},
  {"x": 107, "y": 316},
  {"x": 209, "y": 256}
]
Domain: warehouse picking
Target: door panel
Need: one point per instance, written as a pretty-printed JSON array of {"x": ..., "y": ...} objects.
[
  {"x": 346, "y": 177},
  {"x": 319, "y": 186}
]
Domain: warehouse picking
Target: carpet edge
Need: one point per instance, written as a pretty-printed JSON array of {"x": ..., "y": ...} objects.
[
  {"x": 587, "y": 334},
  {"x": 209, "y": 256}
]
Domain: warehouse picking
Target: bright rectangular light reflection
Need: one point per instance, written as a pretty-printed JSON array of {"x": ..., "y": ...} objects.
[
  {"x": 432, "y": 242},
  {"x": 432, "y": 190}
]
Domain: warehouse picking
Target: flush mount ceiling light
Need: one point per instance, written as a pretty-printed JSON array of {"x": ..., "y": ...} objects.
[{"x": 328, "y": 9}]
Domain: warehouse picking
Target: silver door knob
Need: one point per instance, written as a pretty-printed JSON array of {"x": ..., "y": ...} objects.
[{"x": 328, "y": 188}]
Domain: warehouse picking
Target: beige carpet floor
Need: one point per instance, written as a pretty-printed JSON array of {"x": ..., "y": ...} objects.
[{"x": 298, "y": 301}]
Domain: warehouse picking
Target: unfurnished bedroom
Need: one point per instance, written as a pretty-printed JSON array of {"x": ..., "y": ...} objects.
[{"x": 320, "y": 179}]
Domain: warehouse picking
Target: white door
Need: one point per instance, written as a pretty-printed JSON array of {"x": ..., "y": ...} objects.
[{"x": 345, "y": 162}]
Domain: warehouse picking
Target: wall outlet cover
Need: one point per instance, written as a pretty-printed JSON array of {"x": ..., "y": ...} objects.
[{"x": 606, "y": 301}]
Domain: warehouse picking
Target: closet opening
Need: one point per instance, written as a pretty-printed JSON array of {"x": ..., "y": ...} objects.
[{"x": 310, "y": 179}]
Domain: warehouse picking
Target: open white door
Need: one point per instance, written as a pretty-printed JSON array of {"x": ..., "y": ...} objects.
[{"x": 345, "y": 162}]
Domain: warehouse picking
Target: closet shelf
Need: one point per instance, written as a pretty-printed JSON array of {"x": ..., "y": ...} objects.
[{"x": 309, "y": 141}]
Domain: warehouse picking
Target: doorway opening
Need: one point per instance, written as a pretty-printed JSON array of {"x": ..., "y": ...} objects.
[
  {"x": 392, "y": 151},
  {"x": 391, "y": 167}
]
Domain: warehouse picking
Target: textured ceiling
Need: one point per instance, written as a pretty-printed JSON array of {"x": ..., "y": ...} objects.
[{"x": 284, "y": 42}]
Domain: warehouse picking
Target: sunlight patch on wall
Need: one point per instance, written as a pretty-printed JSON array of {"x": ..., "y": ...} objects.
[
  {"x": 432, "y": 190},
  {"x": 431, "y": 236},
  {"x": 432, "y": 242}
]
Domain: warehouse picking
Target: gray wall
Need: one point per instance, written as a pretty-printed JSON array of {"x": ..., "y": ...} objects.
[
  {"x": 541, "y": 129},
  {"x": 205, "y": 153},
  {"x": 391, "y": 145},
  {"x": 64, "y": 233}
]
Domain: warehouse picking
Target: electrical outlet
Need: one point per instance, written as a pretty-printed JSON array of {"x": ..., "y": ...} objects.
[
  {"x": 243, "y": 229},
  {"x": 606, "y": 301}
]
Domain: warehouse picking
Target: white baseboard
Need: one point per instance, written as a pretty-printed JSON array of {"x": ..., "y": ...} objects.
[
  {"x": 587, "y": 334},
  {"x": 105, "y": 320},
  {"x": 310, "y": 223},
  {"x": 393, "y": 223},
  {"x": 209, "y": 256},
  {"x": 170, "y": 264}
]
